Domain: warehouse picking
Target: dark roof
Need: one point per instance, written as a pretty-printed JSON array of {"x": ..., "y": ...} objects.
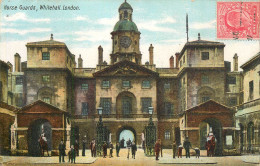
[
  {"x": 8, "y": 107},
  {"x": 47, "y": 43},
  {"x": 125, "y": 25},
  {"x": 125, "y": 62},
  {"x": 125, "y": 5},
  {"x": 201, "y": 43},
  {"x": 255, "y": 58},
  {"x": 43, "y": 103}
]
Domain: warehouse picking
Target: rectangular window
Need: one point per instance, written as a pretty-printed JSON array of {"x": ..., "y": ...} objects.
[
  {"x": 84, "y": 108},
  {"x": 45, "y": 56},
  {"x": 205, "y": 55},
  {"x": 105, "y": 103},
  {"x": 105, "y": 84},
  {"x": 19, "y": 80},
  {"x": 183, "y": 81},
  {"x": 167, "y": 135},
  {"x": 47, "y": 100},
  {"x": 146, "y": 84},
  {"x": 84, "y": 86},
  {"x": 167, "y": 86},
  {"x": 168, "y": 108},
  {"x": 205, "y": 98},
  {"x": 146, "y": 103},
  {"x": 46, "y": 78},
  {"x": 180, "y": 63},
  {"x": 183, "y": 59},
  {"x": 204, "y": 79},
  {"x": 126, "y": 83},
  {"x": 231, "y": 80},
  {"x": 233, "y": 101},
  {"x": 251, "y": 90}
]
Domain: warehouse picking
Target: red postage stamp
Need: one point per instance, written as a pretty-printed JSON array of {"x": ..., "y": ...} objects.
[{"x": 238, "y": 20}]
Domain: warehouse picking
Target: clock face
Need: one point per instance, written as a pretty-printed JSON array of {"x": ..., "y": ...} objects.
[{"x": 125, "y": 41}]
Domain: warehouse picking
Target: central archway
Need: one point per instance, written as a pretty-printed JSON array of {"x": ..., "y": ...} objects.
[
  {"x": 126, "y": 133},
  {"x": 211, "y": 125},
  {"x": 36, "y": 128}
]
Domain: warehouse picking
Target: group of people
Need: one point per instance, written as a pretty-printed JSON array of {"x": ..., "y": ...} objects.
[{"x": 177, "y": 149}]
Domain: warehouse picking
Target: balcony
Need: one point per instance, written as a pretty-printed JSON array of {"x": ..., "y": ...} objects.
[{"x": 116, "y": 116}]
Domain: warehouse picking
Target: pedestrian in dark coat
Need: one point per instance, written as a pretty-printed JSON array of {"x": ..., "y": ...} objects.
[
  {"x": 104, "y": 149},
  {"x": 117, "y": 149},
  {"x": 122, "y": 143},
  {"x": 93, "y": 148},
  {"x": 111, "y": 148},
  {"x": 157, "y": 149},
  {"x": 197, "y": 151},
  {"x": 187, "y": 146},
  {"x": 72, "y": 155},
  {"x": 76, "y": 147},
  {"x": 83, "y": 147},
  {"x": 134, "y": 149},
  {"x": 174, "y": 149},
  {"x": 61, "y": 151}
]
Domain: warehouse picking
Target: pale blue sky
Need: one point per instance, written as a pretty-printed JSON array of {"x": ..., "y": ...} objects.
[{"x": 161, "y": 23}]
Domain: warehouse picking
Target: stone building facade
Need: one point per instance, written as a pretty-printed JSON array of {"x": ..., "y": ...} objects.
[
  {"x": 190, "y": 98},
  {"x": 248, "y": 113}
]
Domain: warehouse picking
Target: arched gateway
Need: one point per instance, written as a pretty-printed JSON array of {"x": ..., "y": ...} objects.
[
  {"x": 36, "y": 129},
  {"x": 126, "y": 133},
  {"x": 211, "y": 125}
]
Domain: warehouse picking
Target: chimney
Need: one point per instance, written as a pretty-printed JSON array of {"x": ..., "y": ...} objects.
[
  {"x": 10, "y": 66},
  {"x": 100, "y": 55},
  {"x": 51, "y": 37},
  {"x": 171, "y": 62},
  {"x": 235, "y": 62},
  {"x": 177, "y": 55},
  {"x": 17, "y": 62},
  {"x": 151, "y": 54},
  {"x": 80, "y": 62},
  {"x": 198, "y": 36}
]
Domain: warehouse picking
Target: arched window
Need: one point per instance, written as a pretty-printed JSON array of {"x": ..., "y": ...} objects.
[
  {"x": 125, "y": 14},
  {"x": 46, "y": 94},
  {"x": 250, "y": 135}
]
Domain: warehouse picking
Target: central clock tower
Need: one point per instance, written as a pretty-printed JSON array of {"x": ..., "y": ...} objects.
[{"x": 125, "y": 37}]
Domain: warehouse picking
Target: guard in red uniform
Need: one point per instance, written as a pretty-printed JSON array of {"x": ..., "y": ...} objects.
[{"x": 157, "y": 149}]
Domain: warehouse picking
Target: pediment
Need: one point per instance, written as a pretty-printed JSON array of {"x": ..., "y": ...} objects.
[
  {"x": 125, "y": 68},
  {"x": 40, "y": 107},
  {"x": 210, "y": 107}
]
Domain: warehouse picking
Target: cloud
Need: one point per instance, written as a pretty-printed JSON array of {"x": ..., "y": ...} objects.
[
  {"x": 23, "y": 16},
  {"x": 94, "y": 35},
  {"x": 156, "y": 25},
  {"x": 24, "y": 31},
  {"x": 203, "y": 25},
  {"x": 81, "y": 18},
  {"x": 107, "y": 21}
]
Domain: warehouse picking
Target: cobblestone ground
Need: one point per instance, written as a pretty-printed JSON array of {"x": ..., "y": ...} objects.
[{"x": 140, "y": 159}]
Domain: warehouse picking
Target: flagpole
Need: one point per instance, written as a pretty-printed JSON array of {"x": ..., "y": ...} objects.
[{"x": 187, "y": 27}]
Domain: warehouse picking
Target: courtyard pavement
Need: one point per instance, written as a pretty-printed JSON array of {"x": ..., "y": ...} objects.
[{"x": 140, "y": 160}]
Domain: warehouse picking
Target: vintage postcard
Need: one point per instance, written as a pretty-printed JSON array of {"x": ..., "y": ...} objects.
[{"x": 129, "y": 82}]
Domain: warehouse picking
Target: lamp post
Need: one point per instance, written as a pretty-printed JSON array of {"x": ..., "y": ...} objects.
[
  {"x": 99, "y": 131},
  {"x": 150, "y": 134}
]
